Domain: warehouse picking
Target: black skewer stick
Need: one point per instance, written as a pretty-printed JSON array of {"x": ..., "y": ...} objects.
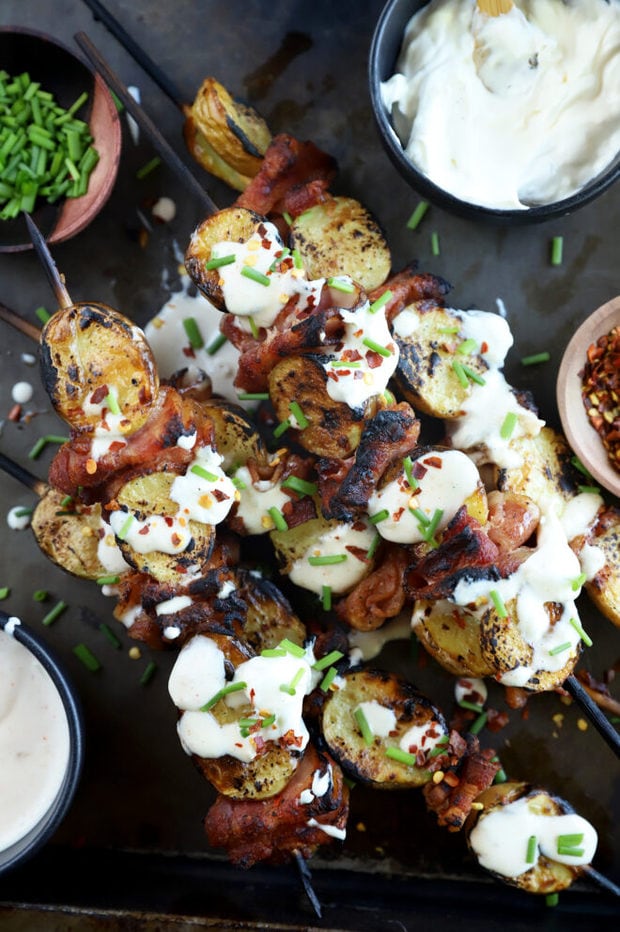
[
  {"x": 22, "y": 475},
  {"x": 45, "y": 257},
  {"x": 145, "y": 123},
  {"x": 590, "y": 708},
  {"x": 18, "y": 323},
  {"x": 306, "y": 879},
  {"x": 603, "y": 882},
  {"x": 136, "y": 51}
]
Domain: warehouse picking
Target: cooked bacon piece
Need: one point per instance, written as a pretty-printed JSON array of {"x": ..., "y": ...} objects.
[
  {"x": 387, "y": 437},
  {"x": 379, "y": 596},
  {"x": 278, "y": 828},
  {"x": 512, "y": 519},
  {"x": 409, "y": 287},
  {"x": 300, "y": 508},
  {"x": 467, "y": 772},
  {"x": 288, "y": 165},
  {"x": 465, "y": 549},
  {"x": 170, "y": 418}
]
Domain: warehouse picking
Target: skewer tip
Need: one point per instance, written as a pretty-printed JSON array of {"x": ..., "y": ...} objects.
[{"x": 45, "y": 257}]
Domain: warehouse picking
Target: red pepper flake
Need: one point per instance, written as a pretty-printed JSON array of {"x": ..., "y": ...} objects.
[
  {"x": 600, "y": 391},
  {"x": 358, "y": 553},
  {"x": 99, "y": 395},
  {"x": 15, "y": 413},
  {"x": 373, "y": 359},
  {"x": 419, "y": 471},
  {"x": 434, "y": 461},
  {"x": 116, "y": 446},
  {"x": 189, "y": 352},
  {"x": 169, "y": 521},
  {"x": 484, "y": 347},
  {"x": 219, "y": 496},
  {"x": 144, "y": 530},
  {"x": 176, "y": 540}
]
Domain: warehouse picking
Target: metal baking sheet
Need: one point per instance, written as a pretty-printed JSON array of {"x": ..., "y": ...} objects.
[{"x": 133, "y": 842}]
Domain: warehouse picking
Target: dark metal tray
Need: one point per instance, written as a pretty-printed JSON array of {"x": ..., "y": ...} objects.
[{"x": 133, "y": 842}]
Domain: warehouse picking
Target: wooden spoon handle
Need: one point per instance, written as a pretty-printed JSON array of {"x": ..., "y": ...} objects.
[{"x": 495, "y": 7}]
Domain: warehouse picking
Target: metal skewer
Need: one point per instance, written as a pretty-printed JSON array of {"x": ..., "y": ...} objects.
[{"x": 164, "y": 148}]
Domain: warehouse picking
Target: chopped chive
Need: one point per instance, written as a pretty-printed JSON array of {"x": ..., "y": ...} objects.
[
  {"x": 86, "y": 656},
  {"x": 106, "y": 630},
  {"x": 590, "y": 489},
  {"x": 291, "y": 688},
  {"x": 373, "y": 547},
  {"x": 459, "y": 371},
  {"x": 379, "y": 516},
  {"x": 418, "y": 214},
  {"x": 328, "y": 679},
  {"x": 299, "y": 415},
  {"x": 328, "y": 559},
  {"x": 441, "y": 746},
  {"x": 273, "y": 652},
  {"x": 278, "y": 518},
  {"x": 129, "y": 520},
  {"x": 66, "y": 501},
  {"x": 408, "y": 467},
  {"x": 221, "y": 693},
  {"x": 422, "y": 517},
  {"x": 291, "y": 648},
  {"x": 219, "y": 262},
  {"x": 148, "y": 167},
  {"x": 552, "y": 899},
  {"x": 557, "y": 250},
  {"x": 571, "y": 852},
  {"x": 532, "y": 847},
  {"x": 248, "y": 272},
  {"x": 341, "y": 284},
  {"x": 297, "y": 260},
  {"x": 216, "y": 345},
  {"x": 281, "y": 428},
  {"x": 4, "y": 593},
  {"x": 510, "y": 422},
  {"x": 501, "y": 776},
  {"x": 560, "y": 648},
  {"x": 287, "y": 217},
  {"x": 473, "y": 375},
  {"x": 43, "y": 314},
  {"x": 108, "y": 580},
  {"x": 498, "y": 602},
  {"x": 472, "y": 706},
  {"x": 23, "y": 512},
  {"x": 253, "y": 396},
  {"x": 326, "y": 598},
  {"x": 435, "y": 243},
  {"x": 381, "y": 301},
  {"x": 253, "y": 327},
  {"x": 576, "y": 462},
  {"x": 535, "y": 358},
  {"x": 434, "y": 522},
  {"x": 570, "y": 841},
  {"x": 238, "y": 483},
  {"x": 40, "y": 595},
  {"x": 193, "y": 333},
  {"x": 203, "y": 473},
  {"x": 587, "y": 640},
  {"x": 268, "y": 721},
  {"x": 42, "y": 442},
  {"x": 345, "y": 364},
  {"x": 578, "y": 581},
  {"x": 279, "y": 258},
  {"x": 467, "y": 347},
  {"x": 449, "y": 330},
  {"x": 302, "y": 486},
  {"x": 376, "y": 347},
  {"x": 403, "y": 757},
  {"x": 149, "y": 673},
  {"x": 333, "y": 657},
  {"x": 364, "y": 727},
  {"x": 55, "y": 613},
  {"x": 477, "y": 726}
]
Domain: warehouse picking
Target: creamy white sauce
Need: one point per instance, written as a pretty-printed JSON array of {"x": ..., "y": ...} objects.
[
  {"x": 332, "y": 830},
  {"x": 450, "y": 478},
  {"x": 22, "y": 393},
  {"x": 204, "y": 493},
  {"x": 470, "y": 689},
  {"x": 500, "y": 838},
  {"x": 579, "y": 514},
  {"x": 342, "y": 576},
  {"x": 154, "y": 534},
  {"x": 321, "y": 784},
  {"x": 175, "y": 604},
  {"x": 171, "y": 632},
  {"x": 34, "y": 741},
  {"x": 370, "y": 370},
  {"x": 422, "y": 737},
  {"x": 255, "y": 500},
  {"x": 109, "y": 553},
  {"x": 111, "y": 429},
  {"x": 514, "y": 110},
  {"x": 368, "y": 644},
  {"x": 381, "y": 720},
  {"x": 17, "y": 520}
]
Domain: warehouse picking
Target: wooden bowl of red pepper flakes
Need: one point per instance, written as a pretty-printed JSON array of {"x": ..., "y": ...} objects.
[{"x": 588, "y": 395}]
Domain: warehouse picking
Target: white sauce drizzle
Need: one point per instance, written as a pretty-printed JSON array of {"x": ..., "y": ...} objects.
[
  {"x": 255, "y": 500},
  {"x": 175, "y": 604},
  {"x": 204, "y": 499},
  {"x": 422, "y": 737},
  {"x": 339, "y": 576},
  {"x": 470, "y": 689},
  {"x": 332, "y": 830},
  {"x": 381, "y": 720},
  {"x": 109, "y": 553},
  {"x": 17, "y": 521}
]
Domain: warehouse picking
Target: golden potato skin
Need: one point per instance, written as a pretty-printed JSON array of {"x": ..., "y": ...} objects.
[
  {"x": 68, "y": 540},
  {"x": 452, "y": 636},
  {"x": 604, "y": 588},
  {"x": 340, "y": 237}
]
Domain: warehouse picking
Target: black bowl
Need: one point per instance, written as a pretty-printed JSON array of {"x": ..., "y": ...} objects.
[
  {"x": 47, "y": 825},
  {"x": 384, "y": 52},
  {"x": 66, "y": 76}
]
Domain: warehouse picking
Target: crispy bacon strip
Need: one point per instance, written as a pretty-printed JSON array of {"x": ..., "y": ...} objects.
[
  {"x": 277, "y": 828},
  {"x": 379, "y": 596},
  {"x": 391, "y": 434},
  {"x": 512, "y": 519},
  {"x": 289, "y": 166},
  {"x": 409, "y": 287},
  {"x": 467, "y": 772}
]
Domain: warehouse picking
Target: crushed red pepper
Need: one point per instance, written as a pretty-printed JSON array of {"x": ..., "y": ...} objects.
[{"x": 600, "y": 391}]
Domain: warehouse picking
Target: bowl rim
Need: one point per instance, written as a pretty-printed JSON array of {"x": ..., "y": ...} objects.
[
  {"x": 40, "y": 833},
  {"x": 422, "y": 183}
]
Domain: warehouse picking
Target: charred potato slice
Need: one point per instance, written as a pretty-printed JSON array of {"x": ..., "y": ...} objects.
[
  {"x": 546, "y": 474},
  {"x": 227, "y": 137},
  {"x": 334, "y": 429},
  {"x": 69, "y": 540},
  {"x": 604, "y": 587},
  {"x": 340, "y": 237},
  {"x": 147, "y": 495},
  {"x": 269, "y": 618},
  {"x": 451, "y": 635},
  {"x": 546, "y": 875},
  {"x": 236, "y": 437},
  {"x": 90, "y": 350},
  {"x": 425, "y": 376},
  {"x": 369, "y": 763},
  {"x": 233, "y": 224}
]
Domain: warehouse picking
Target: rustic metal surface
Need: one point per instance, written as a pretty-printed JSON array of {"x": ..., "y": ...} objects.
[{"x": 133, "y": 840}]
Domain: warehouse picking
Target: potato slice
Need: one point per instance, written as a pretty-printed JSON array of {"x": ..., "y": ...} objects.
[
  {"x": 269, "y": 618},
  {"x": 451, "y": 635},
  {"x": 604, "y": 588},
  {"x": 425, "y": 376},
  {"x": 69, "y": 540},
  {"x": 334, "y": 429},
  {"x": 546, "y": 474},
  {"x": 148, "y": 494},
  {"x": 236, "y": 437},
  {"x": 546, "y": 875},
  {"x": 370, "y": 763},
  {"x": 91, "y": 349},
  {"x": 227, "y": 137},
  {"x": 233, "y": 224},
  {"x": 340, "y": 237}
]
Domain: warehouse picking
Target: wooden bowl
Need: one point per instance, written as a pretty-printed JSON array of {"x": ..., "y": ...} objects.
[
  {"x": 580, "y": 433},
  {"x": 66, "y": 76}
]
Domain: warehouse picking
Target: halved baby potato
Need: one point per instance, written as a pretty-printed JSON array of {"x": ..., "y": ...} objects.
[
  {"x": 236, "y": 437},
  {"x": 69, "y": 538},
  {"x": 604, "y": 587},
  {"x": 452, "y": 636}
]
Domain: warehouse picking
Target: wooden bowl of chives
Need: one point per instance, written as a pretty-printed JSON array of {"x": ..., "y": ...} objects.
[{"x": 67, "y": 77}]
